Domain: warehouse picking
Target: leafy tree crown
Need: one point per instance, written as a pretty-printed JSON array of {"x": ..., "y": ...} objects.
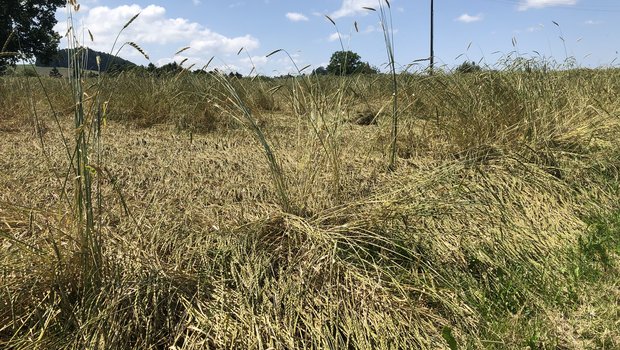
[
  {"x": 27, "y": 28},
  {"x": 348, "y": 62}
]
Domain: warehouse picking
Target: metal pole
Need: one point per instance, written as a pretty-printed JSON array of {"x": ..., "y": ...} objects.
[{"x": 432, "y": 57}]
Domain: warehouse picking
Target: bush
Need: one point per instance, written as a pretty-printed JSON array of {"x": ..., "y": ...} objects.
[
  {"x": 54, "y": 73},
  {"x": 468, "y": 67},
  {"x": 29, "y": 72}
]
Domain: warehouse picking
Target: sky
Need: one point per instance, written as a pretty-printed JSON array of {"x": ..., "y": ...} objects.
[{"x": 240, "y": 34}]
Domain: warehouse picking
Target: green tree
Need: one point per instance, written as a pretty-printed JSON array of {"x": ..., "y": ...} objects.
[
  {"x": 27, "y": 27},
  {"x": 54, "y": 73},
  {"x": 169, "y": 69},
  {"x": 319, "y": 71},
  {"x": 468, "y": 67},
  {"x": 348, "y": 62},
  {"x": 366, "y": 68}
]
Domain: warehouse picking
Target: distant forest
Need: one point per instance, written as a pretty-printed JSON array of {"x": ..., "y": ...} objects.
[
  {"x": 111, "y": 64},
  {"x": 108, "y": 62}
]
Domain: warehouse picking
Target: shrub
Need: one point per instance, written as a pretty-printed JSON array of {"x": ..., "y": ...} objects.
[
  {"x": 29, "y": 72},
  {"x": 468, "y": 67}
]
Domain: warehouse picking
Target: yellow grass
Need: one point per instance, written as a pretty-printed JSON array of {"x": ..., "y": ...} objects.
[{"x": 482, "y": 227}]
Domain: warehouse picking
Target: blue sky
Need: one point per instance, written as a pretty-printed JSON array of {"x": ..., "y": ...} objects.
[{"x": 589, "y": 31}]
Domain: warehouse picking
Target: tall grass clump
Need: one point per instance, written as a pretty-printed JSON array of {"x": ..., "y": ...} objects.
[
  {"x": 385, "y": 18},
  {"x": 181, "y": 99},
  {"x": 320, "y": 112},
  {"x": 71, "y": 274},
  {"x": 87, "y": 127},
  {"x": 248, "y": 120}
]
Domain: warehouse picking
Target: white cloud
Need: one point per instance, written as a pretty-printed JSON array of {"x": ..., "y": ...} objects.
[
  {"x": 592, "y": 22},
  {"x": 290, "y": 65},
  {"x": 161, "y": 35},
  {"x": 196, "y": 2},
  {"x": 257, "y": 61},
  {"x": 533, "y": 29},
  {"x": 371, "y": 28},
  {"x": 336, "y": 37},
  {"x": 466, "y": 18},
  {"x": 296, "y": 17},
  {"x": 152, "y": 29},
  {"x": 353, "y": 7},
  {"x": 537, "y": 4}
]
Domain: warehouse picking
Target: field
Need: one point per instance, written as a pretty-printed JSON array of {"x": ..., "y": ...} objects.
[
  {"x": 203, "y": 212},
  {"x": 23, "y": 69}
]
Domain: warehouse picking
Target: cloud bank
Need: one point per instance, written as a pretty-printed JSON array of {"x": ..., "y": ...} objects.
[
  {"x": 466, "y": 18},
  {"x": 296, "y": 17},
  {"x": 353, "y": 7},
  {"x": 538, "y": 4},
  {"x": 154, "y": 30}
]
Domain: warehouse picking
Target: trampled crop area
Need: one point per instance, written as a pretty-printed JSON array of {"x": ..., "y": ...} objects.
[{"x": 198, "y": 211}]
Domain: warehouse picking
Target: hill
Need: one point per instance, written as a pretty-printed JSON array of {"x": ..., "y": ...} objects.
[{"x": 107, "y": 61}]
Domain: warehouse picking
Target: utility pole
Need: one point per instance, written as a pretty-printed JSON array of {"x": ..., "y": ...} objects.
[{"x": 432, "y": 56}]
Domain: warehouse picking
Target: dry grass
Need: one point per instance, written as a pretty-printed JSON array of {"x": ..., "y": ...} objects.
[{"x": 483, "y": 226}]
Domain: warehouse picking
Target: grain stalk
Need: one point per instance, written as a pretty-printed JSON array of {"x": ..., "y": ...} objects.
[
  {"x": 385, "y": 16},
  {"x": 88, "y": 123},
  {"x": 89, "y": 236}
]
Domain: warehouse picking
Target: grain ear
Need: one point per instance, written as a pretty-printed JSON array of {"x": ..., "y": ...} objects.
[
  {"x": 139, "y": 49},
  {"x": 131, "y": 20}
]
